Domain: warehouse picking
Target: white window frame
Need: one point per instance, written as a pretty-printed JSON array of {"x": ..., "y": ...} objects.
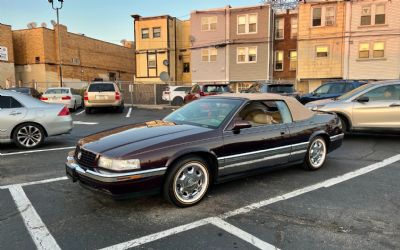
[
  {"x": 370, "y": 14},
  {"x": 209, "y": 54},
  {"x": 155, "y": 61},
  {"x": 246, "y": 54},
  {"x": 334, "y": 15},
  {"x": 290, "y": 60},
  {"x": 320, "y": 57},
  {"x": 283, "y": 60},
  {"x": 369, "y": 50},
  {"x": 385, "y": 13},
  {"x": 291, "y": 26},
  {"x": 323, "y": 16},
  {"x": 277, "y": 20},
  {"x": 247, "y": 24},
  {"x": 208, "y": 20},
  {"x": 373, "y": 50}
]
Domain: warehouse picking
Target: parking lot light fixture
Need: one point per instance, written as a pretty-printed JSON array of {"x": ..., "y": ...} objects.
[{"x": 57, "y": 9}]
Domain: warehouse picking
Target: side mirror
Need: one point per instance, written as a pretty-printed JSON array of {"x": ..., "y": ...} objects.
[
  {"x": 363, "y": 99},
  {"x": 238, "y": 125}
]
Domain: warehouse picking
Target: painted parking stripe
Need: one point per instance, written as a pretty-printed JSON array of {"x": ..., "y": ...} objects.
[
  {"x": 37, "y": 151},
  {"x": 129, "y": 113},
  {"x": 33, "y": 223},
  {"x": 84, "y": 123},
  {"x": 241, "y": 234},
  {"x": 35, "y": 182},
  {"x": 251, "y": 207},
  {"x": 81, "y": 112}
]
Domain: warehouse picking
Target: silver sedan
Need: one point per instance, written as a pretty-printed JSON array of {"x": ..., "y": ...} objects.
[{"x": 27, "y": 121}]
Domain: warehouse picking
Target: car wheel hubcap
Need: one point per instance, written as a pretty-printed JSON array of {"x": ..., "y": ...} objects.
[
  {"x": 317, "y": 153},
  {"x": 191, "y": 182},
  {"x": 29, "y": 136}
]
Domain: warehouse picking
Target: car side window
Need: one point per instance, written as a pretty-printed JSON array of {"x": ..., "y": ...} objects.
[
  {"x": 384, "y": 93},
  {"x": 336, "y": 88},
  {"x": 261, "y": 113},
  {"x": 195, "y": 89},
  {"x": 348, "y": 87},
  {"x": 284, "y": 111},
  {"x": 8, "y": 102},
  {"x": 323, "y": 89}
]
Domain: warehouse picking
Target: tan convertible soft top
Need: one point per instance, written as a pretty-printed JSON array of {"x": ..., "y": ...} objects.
[{"x": 298, "y": 110}]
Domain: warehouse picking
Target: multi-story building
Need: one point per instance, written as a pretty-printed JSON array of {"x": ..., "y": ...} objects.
[
  {"x": 83, "y": 58},
  {"x": 7, "y": 70},
  {"x": 285, "y": 46},
  {"x": 231, "y": 45},
  {"x": 321, "y": 27},
  {"x": 162, "y": 45},
  {"x": 372, "y": 40}
]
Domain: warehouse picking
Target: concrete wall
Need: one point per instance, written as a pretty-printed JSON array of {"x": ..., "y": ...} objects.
[{"x": 7, "y": 71}]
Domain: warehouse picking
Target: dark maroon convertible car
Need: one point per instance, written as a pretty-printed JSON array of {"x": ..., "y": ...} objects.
[{"x": 207, "y": 141}]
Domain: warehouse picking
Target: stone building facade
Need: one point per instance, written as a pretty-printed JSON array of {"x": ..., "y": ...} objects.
[
  {"x": 7, "y": 70},
  {"x": 83, "y": 58}
]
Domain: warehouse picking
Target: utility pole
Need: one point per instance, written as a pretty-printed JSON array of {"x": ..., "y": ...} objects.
[{"x": 59, "y": 37}]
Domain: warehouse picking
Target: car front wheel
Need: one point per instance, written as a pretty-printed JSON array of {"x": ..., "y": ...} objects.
[
  {"x": 28, "y": 135},
  {"x": 316, "y": 154},
  {"x": 187, "y": 182}
]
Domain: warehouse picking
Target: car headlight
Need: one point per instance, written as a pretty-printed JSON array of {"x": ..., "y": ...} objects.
[
  {"x": 316, "y": 107},
  {"x": 119, "y": 165}
]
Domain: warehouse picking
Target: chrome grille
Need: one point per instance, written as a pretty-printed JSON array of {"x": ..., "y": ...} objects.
[{"x": 85, "y": 158}]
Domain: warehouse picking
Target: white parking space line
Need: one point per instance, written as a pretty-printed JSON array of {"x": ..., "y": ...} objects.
[
  {"x": 84, "y": 123},
  {"x": 240, "y": 233},
  {"x": 129, "y": 113},
  {"x": 246, "y": 209},
  {"x": 36, "y": 151},
  {"x": 35, "y": 182},
  {"x": 81, "y": 112},
  {"x": 157, "y": 236},
  {"x": 34, "y": 224}
]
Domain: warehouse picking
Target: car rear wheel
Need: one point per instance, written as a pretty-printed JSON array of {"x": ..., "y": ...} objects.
[
  {"x": 120, "y": 109},
  {"x": 28, "y": 135},
  {"x": 177, "y": 101},
  {"x": 74, "y": 108},
  {"x": 316, "y": 154},
  {"x": 187, "y": 182}
]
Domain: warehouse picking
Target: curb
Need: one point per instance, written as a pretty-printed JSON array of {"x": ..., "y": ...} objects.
[{"x": 152, "y": 107}]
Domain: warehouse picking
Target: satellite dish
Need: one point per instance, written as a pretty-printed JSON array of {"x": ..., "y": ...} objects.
[
  {"x": 165, "y": 62},
  {"x": 32, "y": 25},
  {"x": 164, "y": 76},
  {"x": 123, "y": 41},
  {"x": 44, "y": 25},
  {"x": 192, "y": 39},
  {"x": 53, "y": 22}
]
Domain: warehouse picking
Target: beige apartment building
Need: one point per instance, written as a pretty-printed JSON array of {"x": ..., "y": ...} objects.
[
  {"x": 321, "y": 27},
  {"x": 7, "y": 70},
  {"x": 83, "y": 58},
  {"x": 162, "y": 45},
  {"x": 372, "y": 40}
]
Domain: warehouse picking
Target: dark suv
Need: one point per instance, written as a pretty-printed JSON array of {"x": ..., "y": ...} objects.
[
  {"x": 286, "y": 89},
  {"x": 331, "y": 90}
]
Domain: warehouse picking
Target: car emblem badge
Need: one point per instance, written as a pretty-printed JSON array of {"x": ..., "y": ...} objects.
[{"x": 79, "y": 155}]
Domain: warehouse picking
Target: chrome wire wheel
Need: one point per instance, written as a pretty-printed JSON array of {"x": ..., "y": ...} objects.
[
  {"x": 191, "y": 182},
  {"x": 317, "y": 153},
  {"x": 29, "y": 136}
]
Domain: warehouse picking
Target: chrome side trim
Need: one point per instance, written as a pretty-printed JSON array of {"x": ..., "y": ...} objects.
[
  {"x": 263, "y": 159},
  {"x": 109, "y": 177},
  {"x": 262, "y": 151},
  {"x": 337, "y": 137}
]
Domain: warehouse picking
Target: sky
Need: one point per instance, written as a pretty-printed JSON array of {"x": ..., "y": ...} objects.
[{"x": 108, "y": 20}]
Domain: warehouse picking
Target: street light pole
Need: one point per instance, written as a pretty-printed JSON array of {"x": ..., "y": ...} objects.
[{"x": 59, "y": 37}]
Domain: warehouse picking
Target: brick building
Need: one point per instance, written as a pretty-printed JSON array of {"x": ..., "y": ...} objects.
[
  {"x": 83, "y": 58},
  {"x": 7, "y": 72}
]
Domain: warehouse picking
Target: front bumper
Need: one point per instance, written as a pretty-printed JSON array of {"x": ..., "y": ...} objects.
[{"x": 118, "y": 185}]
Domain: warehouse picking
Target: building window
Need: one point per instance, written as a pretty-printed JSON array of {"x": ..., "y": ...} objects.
[
  {"x": 145, "y": 33},
  {"x": 37, "y": 59},
  {"x": 317, "y": 17},
  {"x": 247, "y": 55},
  {"x": 209, "y": 55},
  {"x": 156, "y": 32},
  {"x": 278, "y": 60},
  {"x": 186, "y": 67},
  {"x": 293, "y": 59},
  {"x": 293, "y": 27},
  {"x": 209, "y": 23},
  {"x": 366, "y": 15},
  {"x": 151, "y": 61},
  {"x": 279, "y": 28},
  {"x": 380, "y": 14},
  {"x": 252, "y": 54},
  {"x": 379, "y": 50},
  {"x": 322, "y": 51},
  {"x": 241, "y": 55},
  {"x": 363, "y": 50},
  {"x": 247, "y": 24},
  {"x": 329, "y": 16}
]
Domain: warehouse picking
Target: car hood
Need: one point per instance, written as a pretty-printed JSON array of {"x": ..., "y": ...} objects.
[
  {"x": 321, "y": 102},
  {"x": 137, "y": 138}
]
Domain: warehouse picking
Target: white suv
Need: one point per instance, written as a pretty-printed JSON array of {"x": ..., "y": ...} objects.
[{"x": 175, "y": 94}]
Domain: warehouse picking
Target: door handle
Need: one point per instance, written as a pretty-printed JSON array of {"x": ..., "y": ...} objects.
[
  {"x": 394, "y": 105},
  {"x": 283, "y": 132},
  {"x": 15, "y": 113}
]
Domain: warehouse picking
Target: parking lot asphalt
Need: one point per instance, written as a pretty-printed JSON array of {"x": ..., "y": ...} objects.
[{"x": 353, "y": 202}]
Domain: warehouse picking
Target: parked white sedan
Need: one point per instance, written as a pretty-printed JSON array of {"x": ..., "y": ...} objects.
[
  {"x": 66, "y": 96},
  {"x": 175, "y": 94}
]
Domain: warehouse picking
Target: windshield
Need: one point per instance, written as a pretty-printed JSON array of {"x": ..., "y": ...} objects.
[
  {"x": 216, "y": 88},
  {"x": 207, "y": 112},
  {"x": 101, "y": 87},
  {"x": 56, "y": 91},
  {"x": 281, "y": 88},
  {"x": 354, "y": 92}
]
